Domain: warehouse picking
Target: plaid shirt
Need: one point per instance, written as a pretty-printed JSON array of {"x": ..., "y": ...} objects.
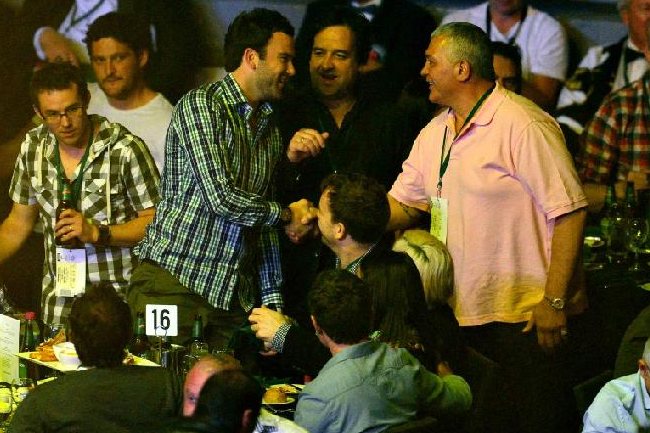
[
  {"x": 213, "y": 226},
  {"x": 617, "y": 140},
  {"x": 133, "y": 183}
]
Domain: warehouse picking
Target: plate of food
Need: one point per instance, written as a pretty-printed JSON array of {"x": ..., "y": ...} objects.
[
  {"x": 275, "y": 395},
  {"x": 288, "y": 388},
  {"x": 45, "y": 351}
]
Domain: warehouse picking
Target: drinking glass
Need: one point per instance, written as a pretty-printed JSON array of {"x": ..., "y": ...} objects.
[
  {"x": 6, "y": 403},
  {"x": 21, "y": 387},
  {"x": 636, "y": 235}
]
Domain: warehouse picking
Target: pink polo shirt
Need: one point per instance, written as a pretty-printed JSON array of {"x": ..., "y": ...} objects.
[{"x": 509, "y": 177}]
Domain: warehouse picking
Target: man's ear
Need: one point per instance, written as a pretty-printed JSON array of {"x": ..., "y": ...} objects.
[
  {"x": 38, "y": 112},
  {"x": 251, "y": 58},
  {"x": 314, "y": 323},
  {"x": 248, "y": 421},
  {"x": 339, "y": 231},
  {"x": 643, "y": 367},
  {"x": 143, "y": 58},
  {"x": 463, "y": 70}
]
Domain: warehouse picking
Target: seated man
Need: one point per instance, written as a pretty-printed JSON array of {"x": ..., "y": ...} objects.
[
  {"x": 507, "y": 65},
  {"x": 541, "y": 38},
  {"x": 615, "y": 145},
  {"x": 105, "y": 396},
  {"x": 355, "y": 241},
  {"x": 604, "y": 69},
  {"x": 230, "y": 402},
  {"x": 622, "y": 404},
  {"x": 193, "y": 394},
  {"x": 366, "y": 386}
]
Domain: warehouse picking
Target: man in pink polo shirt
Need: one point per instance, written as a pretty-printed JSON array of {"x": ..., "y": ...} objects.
[{"x": 494, "y": 173}]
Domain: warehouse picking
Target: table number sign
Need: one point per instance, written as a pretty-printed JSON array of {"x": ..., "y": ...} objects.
[{"x": 161, "y": 320}]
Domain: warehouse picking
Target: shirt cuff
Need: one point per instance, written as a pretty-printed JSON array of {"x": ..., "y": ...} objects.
[{"x": 280, "y": 335}]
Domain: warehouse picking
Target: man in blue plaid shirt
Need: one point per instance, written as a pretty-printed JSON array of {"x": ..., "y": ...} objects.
[
  {"x": 113, "y": 181},
  {"x": 212, "y": 248}
]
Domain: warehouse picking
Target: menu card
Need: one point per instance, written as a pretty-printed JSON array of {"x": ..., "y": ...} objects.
[{"x": 9, "y": 347}]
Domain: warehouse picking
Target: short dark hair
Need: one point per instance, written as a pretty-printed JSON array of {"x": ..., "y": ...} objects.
[
  {"x": 340, "y": 302},
  {"x": 100, "y": 326},
  {"x": 469, "y": 43},
  {"x": 346, "y": 16},
  {"x": 252, "y": 29},
  {"x": 127, "y": 29},
  {"x": 359, "y": 203},
  {"x": 512, "y": 53},
  {"x": 58, "y": 76},
  {"x": 225, "y": 397}
]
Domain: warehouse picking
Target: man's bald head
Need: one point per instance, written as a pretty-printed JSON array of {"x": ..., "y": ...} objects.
[{"x": 202, "y": 370}]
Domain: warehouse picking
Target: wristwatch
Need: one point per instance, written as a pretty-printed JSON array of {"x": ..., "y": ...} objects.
[
  {"x": 104, "y": 234},
  {"x": 557, "y": 303}
]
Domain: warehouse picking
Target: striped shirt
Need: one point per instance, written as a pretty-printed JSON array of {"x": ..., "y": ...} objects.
[
  {"x": 117, "y": 160},
  {"x": 213, "y": 227},
  {"x": 617, "y": 140}
]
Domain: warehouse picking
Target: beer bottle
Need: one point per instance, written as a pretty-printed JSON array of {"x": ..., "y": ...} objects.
[
  {"x": 609, "y": 212},
  {"x": 28, "y": 344},
  {"x": 139, "y": 345},
  {"x": 197, "y": 345},
  {"x": 630, "y": 210},
  {"x": 66, "y": 203}
]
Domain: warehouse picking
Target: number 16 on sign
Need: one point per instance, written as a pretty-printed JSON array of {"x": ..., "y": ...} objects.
[{"x": 162, "y": 320}]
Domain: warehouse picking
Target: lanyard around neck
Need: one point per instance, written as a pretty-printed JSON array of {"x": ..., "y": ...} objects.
[
  {"x": 511, "y": 41},
  {"x": 75, "y": 186},
  {"x": 444, "y": 159}
]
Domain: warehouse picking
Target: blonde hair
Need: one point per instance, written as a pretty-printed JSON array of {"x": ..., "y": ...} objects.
[{"x": 433, "y": 261}]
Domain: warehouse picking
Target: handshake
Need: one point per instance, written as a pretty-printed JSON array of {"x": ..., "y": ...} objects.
[{"x": 303, "y": 224}]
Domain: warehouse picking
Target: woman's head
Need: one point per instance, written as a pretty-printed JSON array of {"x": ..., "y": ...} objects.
[
  {"x": 396, "y": 296},
  {"x": 433, "y": 261}
]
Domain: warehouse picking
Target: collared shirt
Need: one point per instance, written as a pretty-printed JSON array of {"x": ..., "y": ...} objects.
[
  {"x": 373, "y": 139},
  {"x": 370, "y": 386},
  {"x": 117, "y": 160},
  {"x": 617, "y": 140},
  {"x": 621, "y": 406},
  {"x": 213, "y": 226},
  {"x": 541, "y": 38},
  {"x": 509, "y": 178}
]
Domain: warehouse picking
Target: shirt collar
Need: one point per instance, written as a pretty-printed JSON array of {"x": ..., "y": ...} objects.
[
  {"x": 370, "y": 3},
  {"x": 484, "y": 114},
  {"x": 631, "y": 45}
]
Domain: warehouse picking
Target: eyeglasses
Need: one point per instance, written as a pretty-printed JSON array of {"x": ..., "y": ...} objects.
[{"x": 54, "y": 117}]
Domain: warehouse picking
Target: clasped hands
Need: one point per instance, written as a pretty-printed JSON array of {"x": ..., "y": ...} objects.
[{"x": 303, "y": 221}]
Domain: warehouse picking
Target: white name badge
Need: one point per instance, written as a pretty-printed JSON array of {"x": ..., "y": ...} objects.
[
  {"x": 161, "y": 320},
  {"x": 70, "y": 272},
  {"x": 439, "y": 218}
]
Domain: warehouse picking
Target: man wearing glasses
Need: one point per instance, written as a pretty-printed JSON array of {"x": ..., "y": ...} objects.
[{"x": 113, "y": 185}]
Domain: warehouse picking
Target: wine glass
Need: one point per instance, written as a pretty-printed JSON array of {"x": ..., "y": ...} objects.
[
  {"x": 6, "y": 403},
  {"x": 21, "y": 387},
  {"x": 636, "y": 235}
]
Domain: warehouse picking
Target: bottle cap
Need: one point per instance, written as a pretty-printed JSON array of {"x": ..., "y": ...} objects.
[{"x": 30, "y": 315}]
